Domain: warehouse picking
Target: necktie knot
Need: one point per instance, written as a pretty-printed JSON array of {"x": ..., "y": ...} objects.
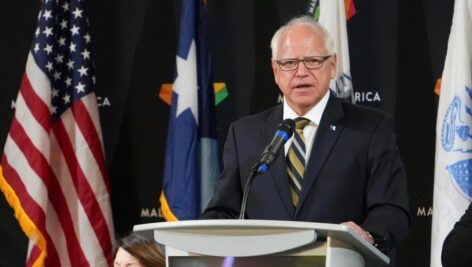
[{"x": 301, "y": 122}]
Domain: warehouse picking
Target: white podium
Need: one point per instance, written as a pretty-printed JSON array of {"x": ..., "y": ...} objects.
[{"x": 261, "y": 243}]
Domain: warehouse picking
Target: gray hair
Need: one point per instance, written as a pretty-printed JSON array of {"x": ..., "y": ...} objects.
[{"x": 302, "y": 21}]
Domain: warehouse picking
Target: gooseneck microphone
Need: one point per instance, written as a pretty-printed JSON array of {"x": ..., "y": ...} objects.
[{"x": 283, "y": 133}]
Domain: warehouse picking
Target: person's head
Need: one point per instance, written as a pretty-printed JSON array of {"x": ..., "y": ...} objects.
[
  {"x": 303, "y": 61},
  {"x": 137, "y": 251}
]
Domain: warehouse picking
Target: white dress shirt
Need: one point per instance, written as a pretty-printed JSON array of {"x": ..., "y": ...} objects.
[{"x": 309, "y": 132}]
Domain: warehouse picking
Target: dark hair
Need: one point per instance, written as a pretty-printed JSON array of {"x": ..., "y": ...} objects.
[{"x": 145, "y": 250}]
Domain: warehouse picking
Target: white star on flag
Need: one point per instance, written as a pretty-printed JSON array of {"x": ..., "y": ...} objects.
[
  {"x": 185, "y": 84},
  {"x": 77, "y": 13},
  {"x": 74, "y": 30},
  {"x": 83, "y": 71}
]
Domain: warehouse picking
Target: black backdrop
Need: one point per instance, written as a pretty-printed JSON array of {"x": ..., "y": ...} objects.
[{"x": 397, "y": 50}]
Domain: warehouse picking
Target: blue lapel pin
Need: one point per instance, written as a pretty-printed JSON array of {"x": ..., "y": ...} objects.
[{"x": 332, "y": 127}]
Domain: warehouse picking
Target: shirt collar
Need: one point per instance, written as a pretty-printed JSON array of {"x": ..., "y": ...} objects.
[{"x": 314, "y": 114}]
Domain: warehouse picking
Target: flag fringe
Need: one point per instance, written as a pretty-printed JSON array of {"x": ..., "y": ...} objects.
[
  {"x": 165, "y": 209},
  {"x": 26, "y": 224}
]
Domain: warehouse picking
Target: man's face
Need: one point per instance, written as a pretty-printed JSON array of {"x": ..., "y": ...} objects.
[{"x": 303, "y": 88}]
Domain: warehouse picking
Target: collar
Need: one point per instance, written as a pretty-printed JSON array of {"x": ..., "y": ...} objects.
[{"x": 314, "y": 114}]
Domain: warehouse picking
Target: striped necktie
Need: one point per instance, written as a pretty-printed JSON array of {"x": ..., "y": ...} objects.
[{"x": 296, "y": 160}]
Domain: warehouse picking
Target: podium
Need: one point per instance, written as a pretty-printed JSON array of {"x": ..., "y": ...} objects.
[{"x": 261, "y": 243}]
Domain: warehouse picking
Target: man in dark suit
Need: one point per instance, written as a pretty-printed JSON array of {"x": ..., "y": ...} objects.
[
  {"x": 341, "y": 166},
  {"x": 457, "y": 245}
]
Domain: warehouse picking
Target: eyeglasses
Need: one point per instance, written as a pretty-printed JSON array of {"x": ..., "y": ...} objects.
[{"x": 311, "y": 63}]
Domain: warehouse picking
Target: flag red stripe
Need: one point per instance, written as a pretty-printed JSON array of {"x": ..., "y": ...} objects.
[
  {"x": 34, "y": 211},
  {"x": 85, "y": 123},
  {"x": 35, "y": 104},
  {"x": 40, "y": 165},
  {"x": 34, "y": 256},
  {"x": 35, "y": 214},
  {"x": 83, "y": 188}
]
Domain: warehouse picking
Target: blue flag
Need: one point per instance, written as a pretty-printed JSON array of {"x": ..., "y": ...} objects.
[{"x": 192, "y": 165}]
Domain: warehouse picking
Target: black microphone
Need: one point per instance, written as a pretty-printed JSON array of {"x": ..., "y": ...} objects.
[{"x": 283, "y": 133}]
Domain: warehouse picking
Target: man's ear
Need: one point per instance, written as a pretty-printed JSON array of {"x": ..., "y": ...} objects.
[
  {"x": 333, "y": 63},
  {"x": 275, "y": 68}
]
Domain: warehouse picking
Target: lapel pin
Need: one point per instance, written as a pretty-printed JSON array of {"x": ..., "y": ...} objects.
[{"x": 332, "y": 127}]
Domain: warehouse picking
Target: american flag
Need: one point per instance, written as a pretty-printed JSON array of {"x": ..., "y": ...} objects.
[{"x": 54, "y": 173}]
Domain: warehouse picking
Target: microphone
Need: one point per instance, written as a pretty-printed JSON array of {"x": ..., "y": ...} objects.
[{"x": 283, "y": 133}]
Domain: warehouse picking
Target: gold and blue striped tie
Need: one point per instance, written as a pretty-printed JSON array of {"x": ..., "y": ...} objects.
[{"x": 296, "y": 160}]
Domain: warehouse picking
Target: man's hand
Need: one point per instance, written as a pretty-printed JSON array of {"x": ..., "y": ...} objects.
[{"x": 361, "y": 232}]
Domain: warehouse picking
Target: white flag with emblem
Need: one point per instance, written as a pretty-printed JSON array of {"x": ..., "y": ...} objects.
[
  {"x": 333, "y": 18},
  {"x": 453, "y": 168}
]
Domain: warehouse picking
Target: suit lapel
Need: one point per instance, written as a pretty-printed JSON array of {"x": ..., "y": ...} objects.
[
  {"x": 278, "y": 170},
  {"x": 328, "y": 132}
]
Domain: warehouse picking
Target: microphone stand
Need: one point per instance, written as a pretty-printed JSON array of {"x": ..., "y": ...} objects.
[
  {"x": 284, "y": 132},
  {"x": 247, "y": 188}
]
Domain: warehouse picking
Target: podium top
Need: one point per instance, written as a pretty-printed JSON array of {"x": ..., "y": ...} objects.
[{"x": 167, "y": 234}]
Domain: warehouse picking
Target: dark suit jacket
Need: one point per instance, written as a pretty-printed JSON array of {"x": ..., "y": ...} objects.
[
  {"x": 354, "y": 173},
  {"x": 457, "y": 246}
]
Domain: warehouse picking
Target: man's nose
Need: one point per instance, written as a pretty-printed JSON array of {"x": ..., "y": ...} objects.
[{"x": 302, "y": 70}]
